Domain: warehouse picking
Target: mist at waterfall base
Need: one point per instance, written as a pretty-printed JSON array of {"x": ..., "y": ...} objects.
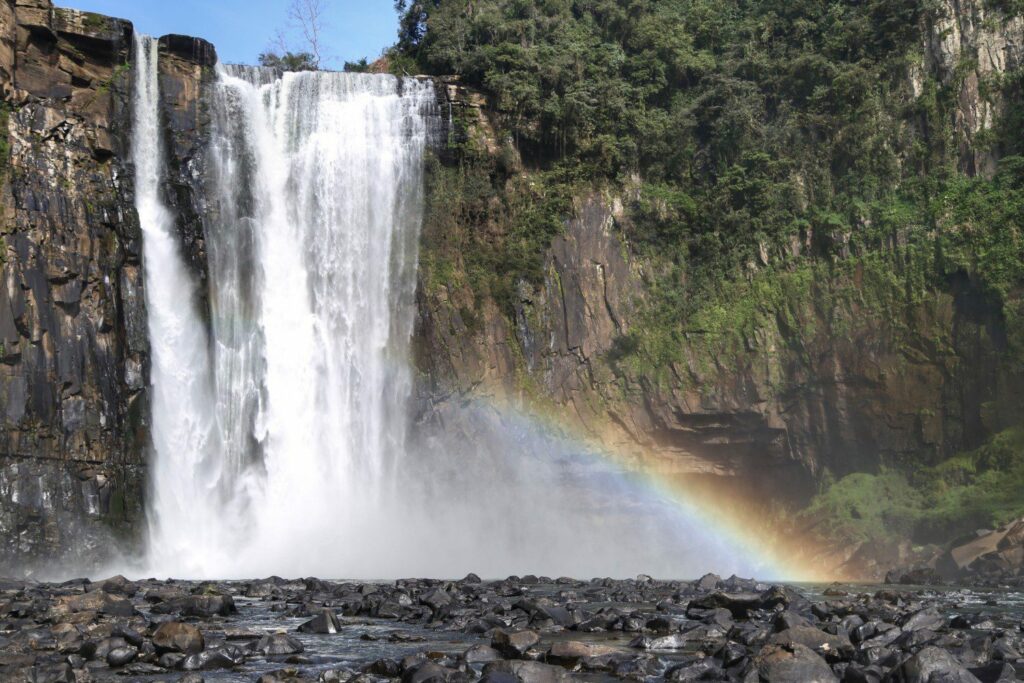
[{"x": 281, "y": 441}]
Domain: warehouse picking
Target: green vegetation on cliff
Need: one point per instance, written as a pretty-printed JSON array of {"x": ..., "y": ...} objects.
[
  {"x": 750, "y": 134},
  {"x": 797, "y": 175},
  {"x": 980, "y": 488}
]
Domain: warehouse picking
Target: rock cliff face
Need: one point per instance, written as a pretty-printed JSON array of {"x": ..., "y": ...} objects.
[
  {"x": 73, "y": 340},
  {"x": 969, "y": 46},
  {"x": 847, "y": 374},
  {"x": 72, "y": 313}
]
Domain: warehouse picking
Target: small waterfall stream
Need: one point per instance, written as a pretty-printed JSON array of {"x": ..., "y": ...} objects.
[{"x": 184, "y": 461}]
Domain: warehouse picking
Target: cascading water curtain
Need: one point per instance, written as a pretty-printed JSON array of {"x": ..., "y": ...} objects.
[
  {"x": 185, "y": 463},
  {"x": 315, "y": 188}
]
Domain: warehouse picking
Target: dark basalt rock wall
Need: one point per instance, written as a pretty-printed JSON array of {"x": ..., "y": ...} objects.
[
  {"x": 72, "y": 313},
  {"x": 186, "y": 71},
  {"x": 74, "y": 354}
]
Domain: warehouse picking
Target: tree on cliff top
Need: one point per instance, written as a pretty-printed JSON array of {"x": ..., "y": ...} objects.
[
  {"x": 289, "y": 61},
  {"x": 306, "y": 18}
]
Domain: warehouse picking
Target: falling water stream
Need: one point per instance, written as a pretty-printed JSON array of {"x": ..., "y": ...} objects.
[
  {"x": 183, "y": 427},
  {"x": 280, "y": 420}
]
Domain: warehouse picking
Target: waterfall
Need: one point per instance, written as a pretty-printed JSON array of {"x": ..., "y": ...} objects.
[
  {"x": 280, "y": 419},
  {"x": 294, "y": 424},
  {"x": 184, "y": 461}
]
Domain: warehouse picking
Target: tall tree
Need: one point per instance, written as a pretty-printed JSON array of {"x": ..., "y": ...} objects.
[{"x": 307, "y": 18}]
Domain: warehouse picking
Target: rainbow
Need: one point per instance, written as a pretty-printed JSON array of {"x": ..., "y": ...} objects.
[{"x": 740, "y": 527}]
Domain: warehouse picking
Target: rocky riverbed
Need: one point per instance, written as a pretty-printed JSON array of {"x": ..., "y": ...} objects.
[{"x": 529, "y": 629}]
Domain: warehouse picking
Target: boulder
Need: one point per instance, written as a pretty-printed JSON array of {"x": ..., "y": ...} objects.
[
  {"x": 731, "y": 653},
  {"x": 789, "y": 619},
  {"x": 101, "y": 602},
  {"x": 276, "y": 644},
  {"x": 325, "y": 622},
  {"x": 524, "y": 672},
  {"x": 225, "y": 657},
  {"x": 740, "y": 604},
  {"x": 426, "y": 672},
  {"x": 205, "y": 606},
  {"x": 935, "y": 665},
  {"x": 929, "y": 619},
  {"x": 708, "y": 582},
  {"x": 174, "y": 636},
  {"x": 120, "y": 585},
  {"x": 103, "y": 647},
  {"x": 120, "y": 656},
  {"x": 436, "y": 599},
  {"x": 831, "y": 647},
  {"x": 570, "y": 652},
  {"x": 170, "y": 660},
  {"x": 514, "y": 644},
  {"x": 792, "y": 664}
]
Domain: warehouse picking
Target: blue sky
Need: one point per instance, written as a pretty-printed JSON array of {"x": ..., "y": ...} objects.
[{"x": 241, "y": 29}]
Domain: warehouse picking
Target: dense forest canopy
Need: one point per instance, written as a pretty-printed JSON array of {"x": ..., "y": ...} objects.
[{"x": 750, "y": 123}]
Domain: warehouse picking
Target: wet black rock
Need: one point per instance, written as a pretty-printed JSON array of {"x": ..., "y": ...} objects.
[
  {"x": 740, "y": 604},
  {"x": 120, "y": 656},
  {"x": 325, "y": 622},
  {"x": 929, "y": 618},
  {"x": 831, "y": 647},
  {"x": 224, "y": 657},
  {"x": 204, "y": 606},
  {"x": 100, "y": 602},
  {"x": 935, "y": 665},
  {"x": 792, "y": 664},
  {"x": 427, "y": 672},
  {"x": 514, "y": 644},
  {"x": 277, "y": 644},
  {"x": 708, "y": 582},
  {"x": 524, "y": 672}
]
